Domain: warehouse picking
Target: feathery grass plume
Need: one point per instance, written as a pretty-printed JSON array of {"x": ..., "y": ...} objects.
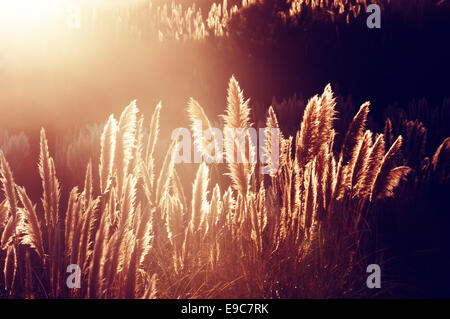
[
  {"x": 200, "y": 124},
  {"x": 307, "y": 142},
  {"x": 216, "y": 210},
  {"x": 360, "y": 164},
  {"x": 9, "y": 239},
  {"x": 151, "y": 144},
  {"x": 154, "y": 131},
  {"x": 170, "y": 216},
  {"x": 10, "y": 269},
  {"x": 84, "y": 251},
  {"x": 146, "y": 182},
  {"x": 373, "y": 165},
  {"x": 316, "y": 126},
  {"x": 8, "y": 233},
  {"x": 388, "y": 176},
  {"x": 393, "y": 180},
  {"x": 326, "y": 137},
  {"x": 326, "y": 117},
  {"x": 322, "y": 158},
  {"x": 354, "y": 135},
  {"x": 261, "y": 208},
  {"x": 139, "y": 150},
  {"x": 237, "y": 121},
  {"x": 199, "y": 204},
  {"x": 329, "y": 179},
  {"x": 128, "y": 241},
  {"x": 50, "y": 185},
  {"x": 240, "y": 173},
  {"x": 88, "y": 183},
  {"x": 237, "y": 111},
  {"x": 341, "y": 182},
  {"x": 50, "y": 203},
  {"x": 125, "y": 143},
  {"x": 178, "y": 190},
  {"x": 71, "y": 222},
  {"x": 441, "y": 161},
  {"x": 309, "y": 198},
  {"x": 128, "y": 203},
  {"x": 8, "y": 186},
  {"x": 112, "y": 209},
  {"x": 74, "y": 230},
  {"x": 143, "y": 233},
  {"x": 87, "y": 196},
  {"x": 9, "y": 206},
  {"x": 256, "y": 222},
  {"x": 186, "y": 248},
  {"x": 272, "y": 124},
  {"x": 286, "y": 158},
  {"x": 4, "y": 208},
  {"x": 108, "y": 146},
  {"x": 33, "y": 231},
  {"x": 321, "y": 162}
]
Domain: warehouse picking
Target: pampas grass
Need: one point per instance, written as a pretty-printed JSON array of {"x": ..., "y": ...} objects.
[{"x": 300, "y": 231}]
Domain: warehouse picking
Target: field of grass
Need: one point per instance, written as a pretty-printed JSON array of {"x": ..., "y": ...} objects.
[
  {"x": 305, "y": 230},
  {"x": 353, "y": 186}
]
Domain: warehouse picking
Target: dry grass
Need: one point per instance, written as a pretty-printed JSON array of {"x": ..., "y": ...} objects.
[
  {"x": 301, "y": 231},
  {"x": 179, "y": 22}
]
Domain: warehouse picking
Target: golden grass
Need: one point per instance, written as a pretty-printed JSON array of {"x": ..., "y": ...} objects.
[{"x": 134, "y": 234}]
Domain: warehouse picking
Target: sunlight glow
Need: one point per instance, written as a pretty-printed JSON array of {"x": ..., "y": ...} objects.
[{"x": 24, "y": 12}]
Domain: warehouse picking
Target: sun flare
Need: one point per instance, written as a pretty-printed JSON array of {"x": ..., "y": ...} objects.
[{"x": 17, "y": 15}]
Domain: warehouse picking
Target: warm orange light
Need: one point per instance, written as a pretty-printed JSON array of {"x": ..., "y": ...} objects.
[{"x": 24, "y": 12}]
